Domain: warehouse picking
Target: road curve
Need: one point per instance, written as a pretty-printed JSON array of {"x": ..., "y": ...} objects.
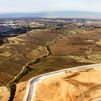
[{"x": 31, "y": 87}]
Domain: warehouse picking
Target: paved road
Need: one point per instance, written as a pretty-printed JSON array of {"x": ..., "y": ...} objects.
[{"x": 31, "y": 88}]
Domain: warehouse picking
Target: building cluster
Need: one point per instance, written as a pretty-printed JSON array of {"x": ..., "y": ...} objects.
[{"x": 11, "y": 23}]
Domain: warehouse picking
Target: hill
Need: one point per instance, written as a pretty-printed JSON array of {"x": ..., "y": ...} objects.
[{"x": 50, "y": 13}]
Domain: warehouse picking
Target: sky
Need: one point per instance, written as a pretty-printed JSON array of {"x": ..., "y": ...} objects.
[{"x": 7, "y": 6}]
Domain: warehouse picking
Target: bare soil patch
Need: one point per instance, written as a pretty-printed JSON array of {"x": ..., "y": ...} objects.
[
  {"x": 75, "y": 86},
  {"x": 4, "y": 94}
]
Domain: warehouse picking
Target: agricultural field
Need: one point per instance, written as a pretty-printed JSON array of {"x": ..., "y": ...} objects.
[
  {"x": 21, "y": 50},
  {"x": 79, "y": 85},
  {"x": 44, "y": 50},
  {"x": 75, "y": 46}
]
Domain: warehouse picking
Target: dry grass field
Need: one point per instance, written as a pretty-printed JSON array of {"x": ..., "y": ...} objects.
[
  {"x": 21, "y": 50},
  {"x": 77, "y": 46},
  {"x": 20, "y": 92},
  {"x": 68, "y": 46},
  {"x": 4, "y": 79}
]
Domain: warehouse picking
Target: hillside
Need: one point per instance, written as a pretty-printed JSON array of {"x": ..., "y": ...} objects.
[{"x": 40, "y": 51}]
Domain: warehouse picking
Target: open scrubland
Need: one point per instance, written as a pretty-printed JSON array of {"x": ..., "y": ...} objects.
[
  {"x": 4, "y": 93},
  {"x": 74, "y": 47},
  {"x": 45, "y": 50}
]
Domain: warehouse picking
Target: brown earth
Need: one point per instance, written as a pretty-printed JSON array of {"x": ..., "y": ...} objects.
[
  {"x": 4, "y": 79},
  {"x": 76, "y": 47}
]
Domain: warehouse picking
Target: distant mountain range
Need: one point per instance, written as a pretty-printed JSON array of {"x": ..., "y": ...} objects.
[
  {"x": 21, "y": 15},
  {"x": 51, "y": 13}
]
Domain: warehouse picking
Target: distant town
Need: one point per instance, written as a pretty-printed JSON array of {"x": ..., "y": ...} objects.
[{"x": 14, "y": 27}]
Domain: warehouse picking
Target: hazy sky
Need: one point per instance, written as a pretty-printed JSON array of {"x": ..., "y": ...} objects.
[{"x": 49, "y": 5}]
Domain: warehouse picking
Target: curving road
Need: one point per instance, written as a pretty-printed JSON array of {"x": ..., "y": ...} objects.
[{"x": 31, "y": 88}]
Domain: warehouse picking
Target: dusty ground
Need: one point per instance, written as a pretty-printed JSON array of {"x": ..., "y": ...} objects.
[
  {"x": 82, "y": 85},
  {"x": 4, "y": 94},
  {"x": 20, "y": 91}
]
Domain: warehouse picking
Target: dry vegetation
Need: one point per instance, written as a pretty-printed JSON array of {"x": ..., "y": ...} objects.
[
  {"x": 20, "y": 92},
  {"x": 23, "y": 49},
  {"x": 76, "y": 46},
  {"x": 69, "y": 46}
]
